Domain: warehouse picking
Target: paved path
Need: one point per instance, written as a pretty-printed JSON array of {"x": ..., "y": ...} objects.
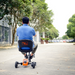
[{"x": 52, "y": 59}]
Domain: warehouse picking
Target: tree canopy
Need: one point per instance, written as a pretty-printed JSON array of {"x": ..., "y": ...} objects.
[
  {"x": 52, "y": 33},
  {"x": 36, "y": 10},
  {"x": 65, "y": 37},
  {"x": 10, "y": 6},
  {"x": 71, "y": 27},
  {"x": 15, "y": 10},
  {"x": 41, "y": 17}
]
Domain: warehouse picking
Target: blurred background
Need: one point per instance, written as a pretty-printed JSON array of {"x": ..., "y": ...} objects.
[{"x": 53, "y": 20}]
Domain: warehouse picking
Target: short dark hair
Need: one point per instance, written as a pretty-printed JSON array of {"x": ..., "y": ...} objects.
[{"x": 25, "y": 20}]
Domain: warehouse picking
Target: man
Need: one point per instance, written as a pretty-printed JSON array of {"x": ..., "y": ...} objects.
[{"x": 26, "y": 32}]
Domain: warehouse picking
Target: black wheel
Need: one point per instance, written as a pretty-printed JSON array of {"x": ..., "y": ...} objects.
[
  {"x": 16, "y": 64},
  {"x": 33, "y": 64}
]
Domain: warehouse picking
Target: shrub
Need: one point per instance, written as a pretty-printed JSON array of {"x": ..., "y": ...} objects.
[
  {"x": 47, "y": 39},
  {"x": 42, "y": 38}
]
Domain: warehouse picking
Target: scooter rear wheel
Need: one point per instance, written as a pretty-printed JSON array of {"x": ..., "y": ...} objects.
[
  {"x": 16, "y": 64},
  {"x": 33, "y": 64}
]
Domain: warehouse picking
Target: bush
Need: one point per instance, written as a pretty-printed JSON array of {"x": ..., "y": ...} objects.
[
  {"x": 47, "y": 39},
  {"x": 42, "y": 38}
]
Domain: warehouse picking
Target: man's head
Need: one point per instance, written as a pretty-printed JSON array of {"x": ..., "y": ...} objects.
[{"x": 25, "y": 20}]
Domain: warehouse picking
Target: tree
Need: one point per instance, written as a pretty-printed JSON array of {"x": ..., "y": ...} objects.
[
  {"x": 41, "y": 17},
  {"x": 4, "y": 4},
  {"x": 15, "y": 10},
  {"x": 52, "y": 33},
  {"x": 65, "y": 37},
  {"x": 24, "y": 9},
  {"x": 36, "y": 10},
  {"x": 71, "y": 27}
]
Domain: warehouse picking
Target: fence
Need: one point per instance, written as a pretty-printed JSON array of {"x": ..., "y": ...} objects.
[{"x": 5, "y": 34}]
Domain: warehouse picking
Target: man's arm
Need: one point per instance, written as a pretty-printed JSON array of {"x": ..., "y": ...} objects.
[{"x": 34, "y": 34}]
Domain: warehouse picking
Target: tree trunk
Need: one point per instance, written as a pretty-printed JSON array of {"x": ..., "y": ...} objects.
[
  {"x": 13, "y": 37},
  {"x": 14, "y": 31},
  {"x": 13, "y": 34}
]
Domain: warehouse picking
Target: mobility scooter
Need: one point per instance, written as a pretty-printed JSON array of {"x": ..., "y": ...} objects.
[{"x": 25, "y": 46}]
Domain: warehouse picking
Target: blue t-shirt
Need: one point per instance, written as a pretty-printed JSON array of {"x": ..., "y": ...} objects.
[{"x": 25, "y": 32}]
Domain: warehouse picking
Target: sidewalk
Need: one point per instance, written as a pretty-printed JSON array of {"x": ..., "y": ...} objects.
[{"x": 7, "y": 46}]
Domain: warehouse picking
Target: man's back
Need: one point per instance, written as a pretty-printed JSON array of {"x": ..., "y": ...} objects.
[{"x": 25, "y": 32}]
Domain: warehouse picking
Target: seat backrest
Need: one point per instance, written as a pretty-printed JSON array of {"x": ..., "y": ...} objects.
[{"x": 25, "y": 45}]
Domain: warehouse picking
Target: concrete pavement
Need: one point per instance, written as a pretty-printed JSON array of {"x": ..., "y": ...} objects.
[{"x": 52, "y": 59}]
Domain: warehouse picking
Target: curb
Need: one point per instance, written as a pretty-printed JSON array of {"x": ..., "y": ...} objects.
[{"x": 8, "y": 47}]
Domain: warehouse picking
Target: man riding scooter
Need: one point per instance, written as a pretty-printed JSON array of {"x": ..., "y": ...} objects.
[{"x": 26, "y": 32}]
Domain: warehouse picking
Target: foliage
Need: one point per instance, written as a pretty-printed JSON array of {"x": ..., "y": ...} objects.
[
  {"x": 52, "y": 33},
  {"x": 21, "y": 7},
  {"x": 41, "y": 17},
  {"x": 47, "y": 39},
  {"x": 65, "y": 37},
  {"x": 71, "y": 27},
  {"x": 3, "y": 8},
  {"x": 42, "y": 38},
  {"x": 36, "y": 10},
  {"x": 15, "y": 10}
]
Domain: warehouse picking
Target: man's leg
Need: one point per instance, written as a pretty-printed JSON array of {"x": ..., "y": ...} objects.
[
  {"x": 34, "y": 50},
  {"x": 25, "y": 54}
]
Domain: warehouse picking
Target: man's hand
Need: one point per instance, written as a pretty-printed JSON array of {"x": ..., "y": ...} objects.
[{"x": 35, "y": 35}]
